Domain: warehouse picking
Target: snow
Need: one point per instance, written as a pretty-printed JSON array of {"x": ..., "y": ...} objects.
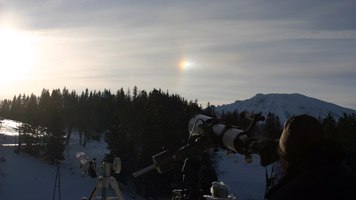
[
  {"x": 245, "y": 180},
  {"x": 287, "y": 105},
  {"x": 9, "y": 127},
  {"x": 25, "y": 177}
]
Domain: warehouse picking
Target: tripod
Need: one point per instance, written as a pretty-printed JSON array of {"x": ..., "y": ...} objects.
[
  {"x": 57, "y": 183},
  {"x": 103, "y": 184}
]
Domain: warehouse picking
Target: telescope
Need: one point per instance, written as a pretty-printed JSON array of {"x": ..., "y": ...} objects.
[
  {"x": 207, "y": 133},
  {"x": 86, "y": 165}
]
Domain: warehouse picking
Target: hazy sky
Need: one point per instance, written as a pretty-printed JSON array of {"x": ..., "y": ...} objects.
[{"x": 215, "y": 51}]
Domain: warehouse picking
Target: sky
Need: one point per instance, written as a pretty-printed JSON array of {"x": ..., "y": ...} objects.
[{"x": 212, "y": 51}]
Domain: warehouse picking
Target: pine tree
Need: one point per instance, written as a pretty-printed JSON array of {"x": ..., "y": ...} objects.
[
  {"x": 84, "y": 114},
  {"x": 5, "y": 106},
  {"x": 120, "y": 146},
  {"x": 31, "y": 111},
  {"x": 31, "y": 136},
  {"x": 55, "y": 126},
  {"x": 16, "y": 108},
  {"x": 329, "y": 126},
  {"x": 346, "y": 127},
  {"x": 70, "y": 117}
]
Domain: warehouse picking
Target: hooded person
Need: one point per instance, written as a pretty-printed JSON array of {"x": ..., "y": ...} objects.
[{"x": 311, "y": 164}]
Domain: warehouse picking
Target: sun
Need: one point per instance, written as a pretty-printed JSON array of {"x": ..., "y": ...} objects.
[{"x": 17, "y": 54}]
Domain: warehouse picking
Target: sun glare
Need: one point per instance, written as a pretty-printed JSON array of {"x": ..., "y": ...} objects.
[{"x": 17, "y": 54}]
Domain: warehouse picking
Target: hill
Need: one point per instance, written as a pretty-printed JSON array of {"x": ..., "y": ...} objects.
[{"x": 286, "y": 105}]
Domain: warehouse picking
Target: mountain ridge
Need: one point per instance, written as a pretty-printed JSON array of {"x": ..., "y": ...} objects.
[{"x": 286, "y": 105}]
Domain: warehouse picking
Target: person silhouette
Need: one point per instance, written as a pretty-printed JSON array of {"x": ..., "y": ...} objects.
[{"x": 312, "y": 165}]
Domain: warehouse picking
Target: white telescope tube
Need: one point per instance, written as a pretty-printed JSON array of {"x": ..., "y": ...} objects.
[{"x": 227, "y": 136}]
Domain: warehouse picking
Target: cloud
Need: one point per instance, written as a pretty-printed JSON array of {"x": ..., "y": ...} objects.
[
  {"x": 319, "y": 14},
  {"x": 316, "y": 14},
  {"x": 239, "y": 47}
]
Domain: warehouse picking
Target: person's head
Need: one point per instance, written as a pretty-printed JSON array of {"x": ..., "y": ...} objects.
[{"x": 301, "y": 135}]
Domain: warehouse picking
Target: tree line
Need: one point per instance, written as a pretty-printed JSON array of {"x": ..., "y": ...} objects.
[
  {"x": 135, "y": 125},
  {"x": 343, "y": 131}
]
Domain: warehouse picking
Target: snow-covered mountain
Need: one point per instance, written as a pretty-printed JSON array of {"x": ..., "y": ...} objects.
[{"x": 286, "y": 105}]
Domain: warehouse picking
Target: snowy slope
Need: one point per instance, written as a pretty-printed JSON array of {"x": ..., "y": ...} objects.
[
  {"x": 286, "y": 105},
  {"x": 25, "y": 177}
]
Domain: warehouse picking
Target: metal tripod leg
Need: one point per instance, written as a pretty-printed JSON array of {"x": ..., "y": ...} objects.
[
  {"x": 116, "y": 188},
  {"x": 103, "y": 185},
  {"x": 57, "y": 179},
  {"x": 98, "y": 186}
]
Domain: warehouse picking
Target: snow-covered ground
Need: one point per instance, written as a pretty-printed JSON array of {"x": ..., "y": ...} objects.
[
  {"x": 245, "y": 180},
  {"x": 9, "y": 127},
  {"x": 25, "y": 177}
]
